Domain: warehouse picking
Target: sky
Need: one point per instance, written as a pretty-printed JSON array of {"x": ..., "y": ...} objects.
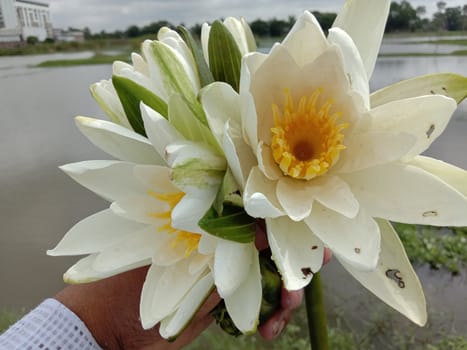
[{"x": 111, "y": 15}]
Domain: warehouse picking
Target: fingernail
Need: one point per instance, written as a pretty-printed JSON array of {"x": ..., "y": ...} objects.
[{"x": 278, "y": 327}]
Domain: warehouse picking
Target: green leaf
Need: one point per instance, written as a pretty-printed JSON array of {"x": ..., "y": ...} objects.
[
  {"x": 173, "y": 73},
  {"x": 225, "y": 58},
  {"x": 131, "y": 95},
  {"x": 205, "y": 75},
  {"x": 189, "y": 120},
  {"x": 452, "y": 85},
  {"x": 234, "y": 224},
  {"x": 229, "y": 193}
]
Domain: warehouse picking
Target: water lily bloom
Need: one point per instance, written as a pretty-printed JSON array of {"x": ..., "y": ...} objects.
[
  {"x": 325, "y": 167},
  {"x": 153, "y": 220}
]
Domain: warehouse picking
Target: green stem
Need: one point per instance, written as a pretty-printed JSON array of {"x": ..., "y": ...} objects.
[{"x": 317, "y": 325}]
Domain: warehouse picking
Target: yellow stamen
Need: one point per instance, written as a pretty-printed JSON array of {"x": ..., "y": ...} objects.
[
  {"x": 189, "y": 239},
  {"x": 306, "y": 140}
]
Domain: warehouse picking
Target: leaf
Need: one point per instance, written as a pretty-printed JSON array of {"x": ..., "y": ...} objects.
[
  {"x": 205, "y": 75},
  {"x": 225, "y": 57},
  {"x": 234, "y": 224},
  {"x": 131, "y": 95},
  {"x": 191, "y": 121},
  {"x": 229, "y": 193},
  {"x": 447, "y": 84}
]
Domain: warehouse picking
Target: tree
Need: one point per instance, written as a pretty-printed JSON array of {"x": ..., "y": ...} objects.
[
  {"x": 453, "y": 17},
  {"x": 325, "y": 19},
  {"x": 402, "y": 17},
  {"x": 441, "y": 5},
  {"x": 260, "y": 27},
  {"x": 132, "y": 32}
]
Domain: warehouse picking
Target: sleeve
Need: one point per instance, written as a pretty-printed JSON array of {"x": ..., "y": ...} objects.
[{"x": 51, "y": 326}]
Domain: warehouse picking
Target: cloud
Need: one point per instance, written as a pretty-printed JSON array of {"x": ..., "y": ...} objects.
[{"x": 111, "y": 15}]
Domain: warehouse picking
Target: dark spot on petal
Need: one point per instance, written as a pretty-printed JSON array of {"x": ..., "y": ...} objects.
[
  {"x": 432, "y": 92},
  {"x": 307, "y": 272},
  {"x": 430, "y": 130},
  {"x": 357, "y": 250},
  {"x": 430, "y": 213},
  {"x": 314, "y": 247},
  {"x": 394, "y": 275},
  {"x": 444, "y": 88}
]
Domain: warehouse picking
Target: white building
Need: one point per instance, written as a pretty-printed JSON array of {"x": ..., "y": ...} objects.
[{"x": 20, "y": 19}]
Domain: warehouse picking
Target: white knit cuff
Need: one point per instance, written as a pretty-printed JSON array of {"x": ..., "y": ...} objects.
[{"x": 50, "y": 326}]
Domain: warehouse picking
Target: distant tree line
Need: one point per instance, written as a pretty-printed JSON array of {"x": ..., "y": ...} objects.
[{"x": 403, "y": 17}]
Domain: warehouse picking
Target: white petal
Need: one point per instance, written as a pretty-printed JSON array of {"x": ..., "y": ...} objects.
[
  {"x": 367, "y": 149},
  {"x": 424, "y": 117},
  {"x": 306, "y": 39},
  {"x": 105, "y": 95},
  {"x": 239, "y": 155},
  {"x": 356, "y": 241},
  {"x": 118, "y": 141},
  {"x": 352, "y": 63},
  {"x": 156, "y": 178},
  {"x": 207, "y": 244},
  {"x": 221, "y": 103},
  {"x": 135, "y": 249},
  {"x": 364, "y": 21},
  {"x": 205, "y": 30},
  {"x": 232, "y": 264},
  {"x": 172, "y": 326},
  {"x": 336, "y": 195},
  {"x": 110, "y": 179},
  {"x": 235, "y": 28},
  {"x": 394, "y": 281},
  {"x": 84, "y": 272},
  {"x": 250, "y": 65},
  {"x": 244, "y": 304},
  {"x": 159, "y": 130},
  {"x": 95, "y": 233},
  {"x": 296, "y": 197},
  {"x": 198, "y": 262},
  {"x": 143, "y": 209},
  {"x": 166, "y": 290},
  {"x": 183, "y": 152},
  {"x": 297, "y": 252},
  {"x": 148, "y": 319},
  {"x": 266, "y": 162},
  {"x": 406, "y": 193},
  {"x": 167, "y": 250},
  {"x": 260, "y": 196},
  {"x": 452, "y": 175},
  {"x": 188, "y": 212}
]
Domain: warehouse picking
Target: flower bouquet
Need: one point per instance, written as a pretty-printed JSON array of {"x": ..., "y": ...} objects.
[{"x": 211, "y": 139}]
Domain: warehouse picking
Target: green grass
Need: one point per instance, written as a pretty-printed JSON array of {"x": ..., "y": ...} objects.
[
  {"x": 382, "y": 331},
  {"x": 438, "y": 247},
  {"x": 96, "y": 59},
  {"x": 8, "y": 317}
]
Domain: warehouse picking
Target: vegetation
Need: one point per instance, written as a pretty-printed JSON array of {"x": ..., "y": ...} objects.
[
  {"x": 96, "y": 59},
  {"x": 439, "y": 247}
]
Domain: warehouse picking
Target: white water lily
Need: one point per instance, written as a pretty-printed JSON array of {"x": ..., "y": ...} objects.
[
  {"x": 165, "y": 67},
  {"x": 323, "y": 163},
  {"x": 240, "y": 31},
  {"x": 153, "y": 219}
]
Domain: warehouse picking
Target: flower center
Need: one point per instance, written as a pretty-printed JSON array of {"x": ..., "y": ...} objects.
[
  {"x": 306, "y": 139},
  {"x": 188, "y": 239}
]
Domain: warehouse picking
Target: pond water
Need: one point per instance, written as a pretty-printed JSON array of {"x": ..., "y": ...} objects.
[{"x": 38, "y": 203}]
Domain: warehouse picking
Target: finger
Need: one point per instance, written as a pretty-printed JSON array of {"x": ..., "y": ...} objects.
[
  {"x": 291, "y": 300},
  {"x": 274, "y": 326},
  {"x": 327, "y": 255}
]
